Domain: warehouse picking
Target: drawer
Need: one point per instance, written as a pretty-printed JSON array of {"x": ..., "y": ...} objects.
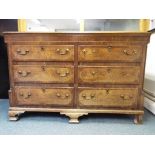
[
  {"x": 43, "y": 53},
  {"x": 110, "y": 53},
  {"x": 107, "y": 97},
  {"x": 43, "y": 74},
  {"x": 26, "y": 95},
  {"x": 111, "y": 75}
]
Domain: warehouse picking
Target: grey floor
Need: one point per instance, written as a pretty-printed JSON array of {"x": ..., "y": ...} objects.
[{"x": 55, "y": 124}]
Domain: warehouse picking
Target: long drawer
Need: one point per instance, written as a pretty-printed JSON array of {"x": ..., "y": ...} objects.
[
  {"x": 29, "y": 95},
  {"x": 43, "y": 52},
  {"x": 108, "y": 97},
  {"x": 43, "y": 74},
  {"x": 109, "y": 74},
  {"x": 110, "y": 53}
]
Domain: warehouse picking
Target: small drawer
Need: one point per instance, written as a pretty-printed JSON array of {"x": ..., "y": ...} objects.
[
  {"x": 43, "y": 53},
  {"x": 43, "y": 74},
  {"x": 110, "y": 53},
  {"x": 107, "y": 97},
  {"x": 111, "y": 75},
  {"x": 44, "y": 96}
]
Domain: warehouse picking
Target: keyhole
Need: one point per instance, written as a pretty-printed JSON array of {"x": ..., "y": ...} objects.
[
  {"x": 107, "y": 91},
  {"x": 42, "y": 49}
]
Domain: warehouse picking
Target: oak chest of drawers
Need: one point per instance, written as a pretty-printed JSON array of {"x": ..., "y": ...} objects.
[{"x": 77, "y": 73}]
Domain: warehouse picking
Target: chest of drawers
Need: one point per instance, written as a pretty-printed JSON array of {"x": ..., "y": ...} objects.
[{"x": 77, "y": 73}]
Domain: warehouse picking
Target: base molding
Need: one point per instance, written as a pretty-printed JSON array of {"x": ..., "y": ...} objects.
[{"x": 74, "y": 114}]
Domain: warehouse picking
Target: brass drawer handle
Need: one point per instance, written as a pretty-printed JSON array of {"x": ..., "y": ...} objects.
[
  {"x": 25, "y": 95},
  {"x": 126, "y": 97},
  {"x": 62, "y": 52},
  {"x": 62, "y": 73},
  {"x": 88, "y": 97},
  {"x": 128, "y": 52},
  {"x": 84, "y": 51},
  {"x": 22, "y": 52},
  {"x": 24, "y": 73},
  {"x": 62, "y": 96}
]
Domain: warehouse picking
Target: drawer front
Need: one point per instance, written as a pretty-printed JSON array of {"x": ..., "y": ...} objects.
[
  {"x": 43, "y": 52},
  {"x": 44, "y": 74},
  {"x": 110, "y": 53},
  {"x": 112, "y": 75},
  {"x": 109, "y": 97},
  {"x": 44, "y": 96}
]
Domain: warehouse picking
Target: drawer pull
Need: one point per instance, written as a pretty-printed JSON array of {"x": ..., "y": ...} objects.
[
  {"x": 23, "y": 73},
  {"x": 62, "y": 73},
  {"x": 62, "y": 96},
  {"x": 22, "y": 52},
  {"x": 25, "y": 95},
  {"x": 125, "y": 97},
  {"x": 128, "y": 52},
  {"x": 88, "y": 97},
  {"x": 62, "y": 52}
]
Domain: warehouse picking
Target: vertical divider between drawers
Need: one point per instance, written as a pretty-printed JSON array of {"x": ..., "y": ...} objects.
[{"x": 75, "y": 75}]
